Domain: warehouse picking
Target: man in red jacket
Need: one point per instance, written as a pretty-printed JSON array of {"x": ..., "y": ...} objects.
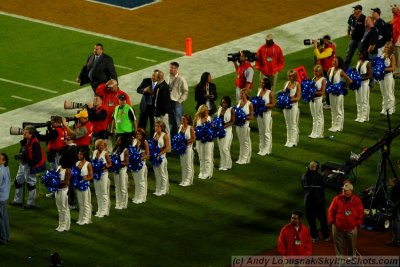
[
  {"x": 270, "y": 60},
  {"x": 295, "y": 239},
  {"x": 345, "y": 213}
]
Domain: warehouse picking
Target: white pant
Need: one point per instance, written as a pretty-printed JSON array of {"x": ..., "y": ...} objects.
[
  {"x": 24, "y": 175},
  {"x": 292, "y": 124},
  {"x": 362, "y": 101},
  {"x": 265, "y": 133},
  {"x": 206, "y": 158},
  {"x": 187, "y": 166},
  {"x": 387, "y": 90},
  {"x": 165, "y": 120},
  {"x": 102, "y": 190},
  {"x": 337, "y": 111},
  {"x": 162, "y": 181},
  {"x": 64, "y": 217},
  {"x": 317, "y": 113},
  {"x": 243, "y": 133},
  {"x": 121, "y": 189},
  {"x": 85, "y": 206},
  {"x": 224, "y": 145},
  {"x": 140, "y": 179}
]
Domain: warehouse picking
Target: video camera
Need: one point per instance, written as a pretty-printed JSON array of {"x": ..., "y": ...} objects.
[
  {"x": 251, "y": 56},
  {"x": 68, "y": 104},
  {"x": 311, "y": 41},
  {"x": 20, "y": 131}
]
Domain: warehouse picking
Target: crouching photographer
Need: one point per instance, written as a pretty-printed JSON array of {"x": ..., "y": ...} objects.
[
  {"x": 32, "y": 161},
  {"x": 98, "y": 118}
]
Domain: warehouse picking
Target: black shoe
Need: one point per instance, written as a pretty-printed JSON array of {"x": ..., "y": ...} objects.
[
  {"x": 16, "y": 204},
  {"x": 29, "y": 207}
]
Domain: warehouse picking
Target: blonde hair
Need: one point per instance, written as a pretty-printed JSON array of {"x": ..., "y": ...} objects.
[
  {"x": 390, "y": 48},
  {"x": 292, "y": 75},
  {"x": 98, "y": 142},
  {"x": 203, "y": 108},
  {"x": 319, "y": 69},
  {"x": 161, "y": 124}
]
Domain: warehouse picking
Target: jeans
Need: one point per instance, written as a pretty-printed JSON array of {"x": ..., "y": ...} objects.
[
  {"x": 175, "y": 117},
  {"x": 351, "y": 49}
]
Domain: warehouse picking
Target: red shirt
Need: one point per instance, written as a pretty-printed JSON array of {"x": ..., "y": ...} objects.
[
  {"x": 294, "y": 243},
  {"x": 270, "y": 59},
  {"x": 85, "y": 140},
  {"x": 346, "y": 214},
  {"x": 241, "y": 79}
]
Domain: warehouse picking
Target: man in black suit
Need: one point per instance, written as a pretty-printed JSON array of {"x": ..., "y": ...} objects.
[
  {"x": 146, "y": 88},
  {"x": 99, "y": 68},
  {"x": 161, "y": 101}
]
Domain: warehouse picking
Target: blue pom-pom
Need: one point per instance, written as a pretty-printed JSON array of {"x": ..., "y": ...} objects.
[
  {"x": 259, "y": 105},
  {"x": 336, "y": 88},
  {"x": 204, "y": 132},
  {"x": 355, "y": 77},
  {"x": 283, "y": 100},
  {"x": 240, "y": 116},
  {"x": 51, "y": 180},
  {"x": 116, "y": 164},
  {"x": 155, "y": 157},
  {"x": 98, "y": 166},
  {"x": 378, "y": 68},
  {"x": 135, "y": 159},
  {"x": 308, "y": 90},
  {"x": 218, "y": 124},
  {"x": 179, "y": 144},
  {"x": 77, "y": 179}
]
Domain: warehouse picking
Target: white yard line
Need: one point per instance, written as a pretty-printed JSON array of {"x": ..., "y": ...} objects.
[
  {"x": 2, "y": 108},
  {"x": 122, "y": 67},
  {"x": 68, "y": 81},
  {"x": 147, "y": 59},
  {"x": 22, "y": 98},
  {"x": 29, "y": 85},
  {"x": 289, "y": 36}
]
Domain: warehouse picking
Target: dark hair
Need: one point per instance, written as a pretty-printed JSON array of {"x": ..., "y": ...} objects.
[
  {"x": 99, "y": 96},
  {"x": 143, "y": 133},
  {"x": 228, "y": 100},
  {"x": 174, "y": 63},
  {"x": 246, "y": 53},
  {"x": 124, "y": 143},
  {"x": 5, "y": 159},
  {"x": 188, "y": 118},
  {"x": 267, "y": 83},
  {"x": 100, "y": 44},
  {"x": 203, "y": 80},
  {"x": 340, "y": 62},
  {"x": 364, "y": 54},
  {"x": 85, "y": 153},
  {"x": 298, "y": 213},
  {"x": 326, "y": 37}
]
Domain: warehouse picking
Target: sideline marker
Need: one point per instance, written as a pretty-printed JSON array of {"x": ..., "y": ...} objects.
[{"x": 188, "y": 46}]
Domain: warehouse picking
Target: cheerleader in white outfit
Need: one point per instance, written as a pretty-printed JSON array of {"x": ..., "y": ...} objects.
[
  {"x": 364, "y": 68},
  {"x": 64, "y": 217},
  {"x": 186, "y": 159},
  {"x": 316, "y": 105},
  {"x": 227, "y": 113},
  {"x": 84, "y": 197},
  {"x": 335, "y": 75},
  {"x": 161, "y": 171},
  {"x": 243, "y": 132},
  {"x": 102, "y": 186},
  {"x": 140, "y": 177},
  {"x": 292, "y": 115},
  {"x": 204, "y": 150},
  {"x": 121, "y": 178},
  {"x": 387, "y": 84},
  {"x": 265, "y": 122}
]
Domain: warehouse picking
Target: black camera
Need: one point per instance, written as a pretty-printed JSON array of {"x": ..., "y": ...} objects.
[
  {"x": 20, "y": 131},
  {"x": 74, "y": 105},
  {"x": 251, "y": 56},
  {"x": 311, "y": 41},
  {"x": 18, "y": 156}
]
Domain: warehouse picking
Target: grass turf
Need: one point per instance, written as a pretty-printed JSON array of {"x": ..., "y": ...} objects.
[{"x": 239, "y": 212}]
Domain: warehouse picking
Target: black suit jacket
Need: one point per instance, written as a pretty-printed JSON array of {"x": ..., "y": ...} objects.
[
  {"x": 146, "y": 98},
  {"x": 161, "y": 99},
  {"x": 200, "y": 99},
  {"x": 103, "y": 71}
]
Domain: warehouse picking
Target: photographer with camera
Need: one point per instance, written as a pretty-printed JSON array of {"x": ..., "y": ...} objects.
[
  {"x": 270, "y": 60},
  {"x": 324, "y": 51},
  {"x": 245, "y": 73},
  {"x": 98, "y": 118},
  {"x": 82, "y": 134},
  {"x": 32, "y": 161}
]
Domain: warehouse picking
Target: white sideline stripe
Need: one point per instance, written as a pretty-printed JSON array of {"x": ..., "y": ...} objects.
[
  {"x": 289, "y": 36},
  {"x": 122, "y": 67},
  {"x": 147, "y": 59},
  {"x": 68, "y": 81},
  {"x": 28, "y": 85},
  {"x": 91, "y": 33},
  {"x": 22, "y": 98},
  {"x": 2, "y": 108},
  {"x": 126, "y": 8}
]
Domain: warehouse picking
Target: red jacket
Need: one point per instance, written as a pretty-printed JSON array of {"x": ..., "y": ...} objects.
[
  {"x": 287, "y": 245},
  {"x": 110, "y": 99},
  {"x": 59, "y": 142},
  {"x": 326, "y": 56},
  {"x": 85, "y": 140},
  {"x": 270, "y": 67},
  {"x": 241, "y": 79},
  {"x": 346, "y": 214}
]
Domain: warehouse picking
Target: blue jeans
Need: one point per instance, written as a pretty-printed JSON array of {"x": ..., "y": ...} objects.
[
  {"x": 175, "y": 117},
  {"x": 351, "y": 49}
]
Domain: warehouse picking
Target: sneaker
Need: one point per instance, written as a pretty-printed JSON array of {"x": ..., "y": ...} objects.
[
  {"x": 327, "y": 239},
  {"x": 327, "y": 106},
  {"x": 314, "y": 240},
  {"x": 50, "y": 195}
]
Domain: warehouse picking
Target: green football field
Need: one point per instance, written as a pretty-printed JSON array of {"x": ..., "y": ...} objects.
[{"x": 239, "y": 212}]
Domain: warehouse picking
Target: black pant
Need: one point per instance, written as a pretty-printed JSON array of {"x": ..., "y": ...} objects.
[
  {"x": 147, "y": 114},
  {"x": 313, "y": 211}
]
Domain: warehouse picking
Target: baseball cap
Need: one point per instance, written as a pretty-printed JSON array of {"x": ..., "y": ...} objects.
[
  {"x": 122, "y": 97},
  {"x": 269, "y": 37},
  {"x": 348, "y": 186},
  {"x": 377, "y": 10},
  {"x": 358, "y": 7},
  {"x": 82, "y": 114}
]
